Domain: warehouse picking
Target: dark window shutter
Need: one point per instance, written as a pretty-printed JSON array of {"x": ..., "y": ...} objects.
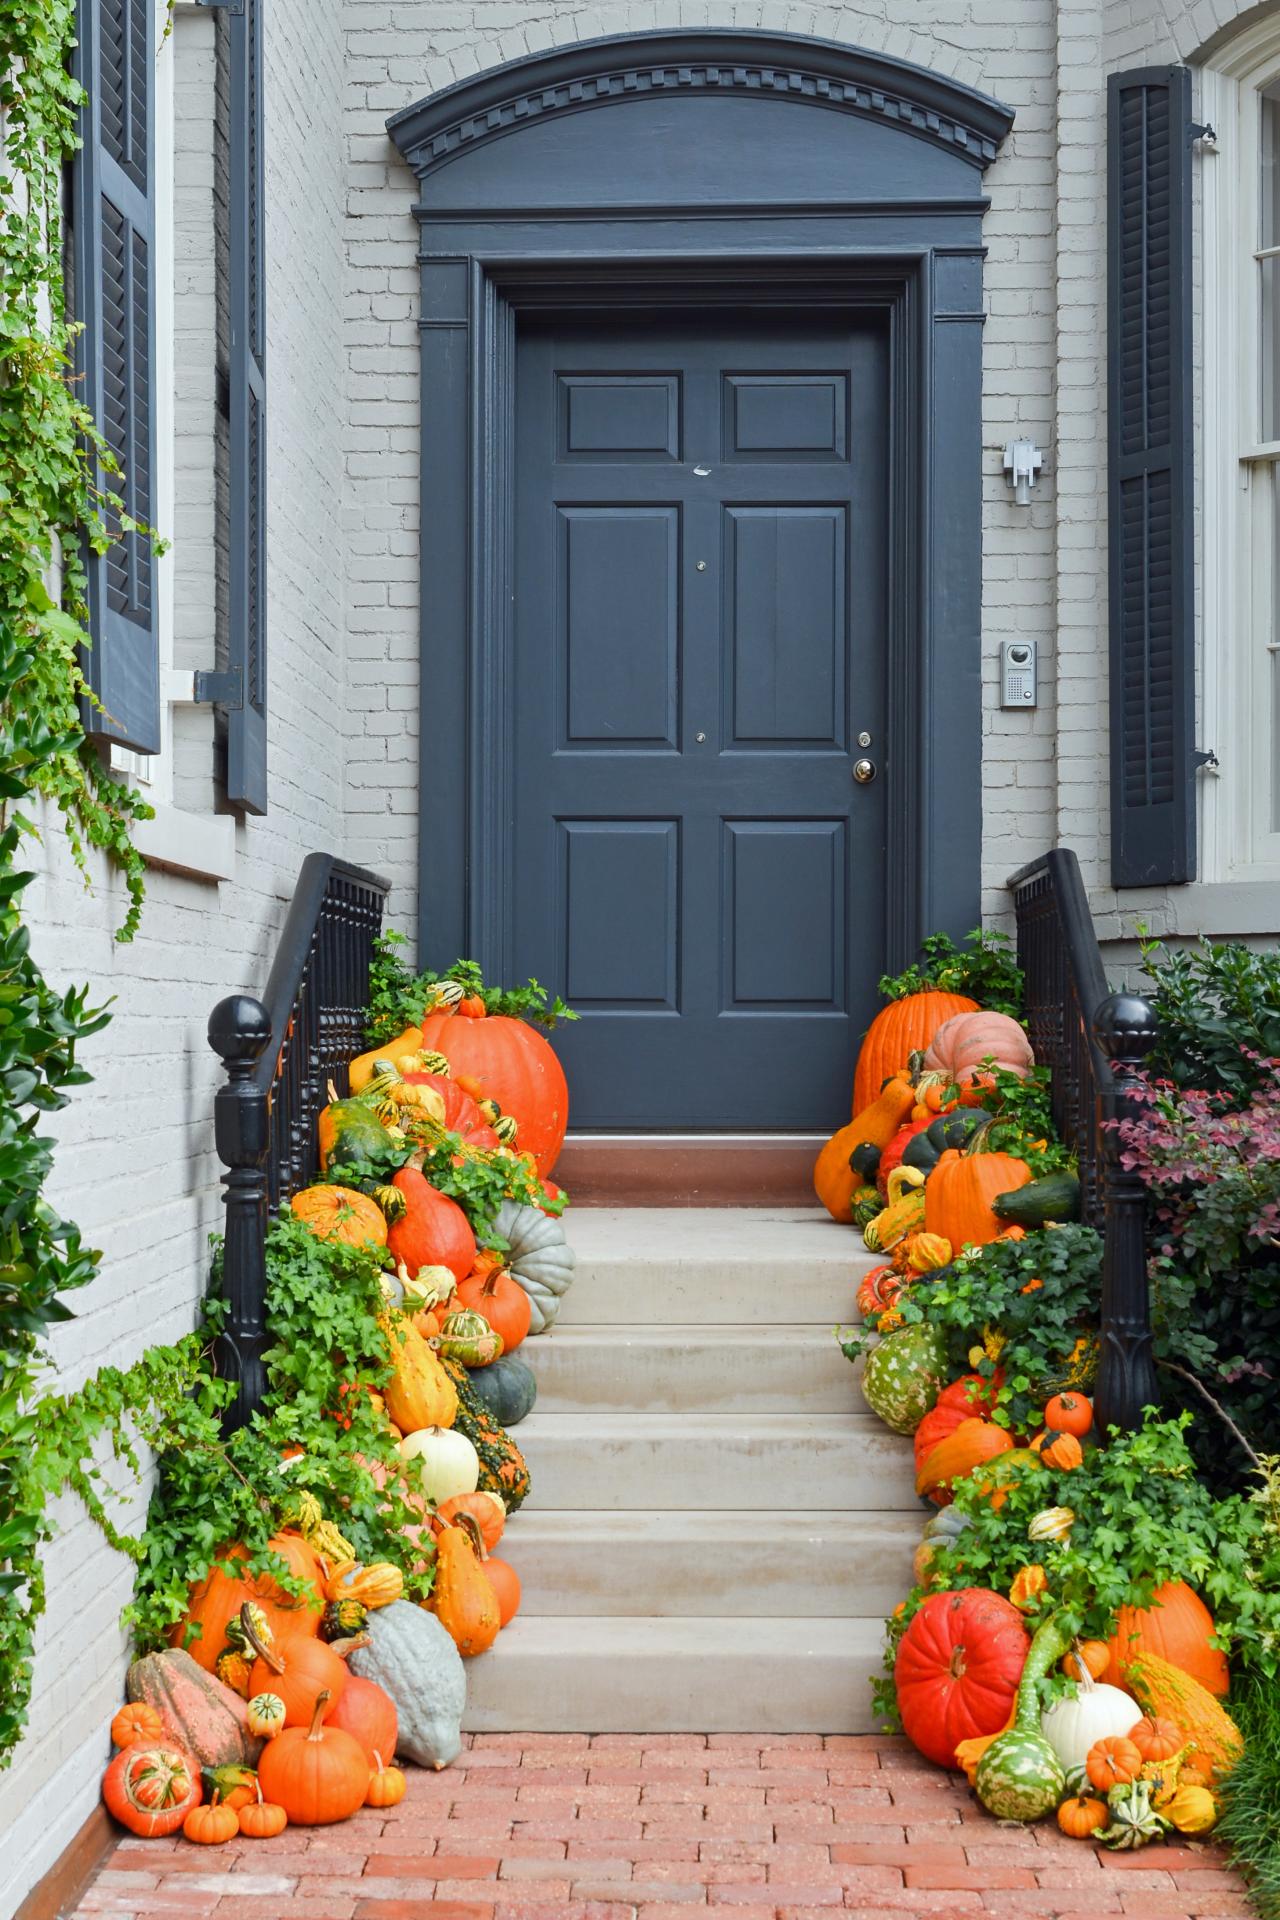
[
  {"x": 1150, "y": 480},
  {"x": 113, "y": 220},
  {"x": 247, "y": 723}
]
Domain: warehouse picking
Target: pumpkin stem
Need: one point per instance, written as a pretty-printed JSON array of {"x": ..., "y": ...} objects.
[
  {"x": 268, "y": 1654},
  {"x": 314, "y": 1731},
  {"x": 471, "y": 1527}
]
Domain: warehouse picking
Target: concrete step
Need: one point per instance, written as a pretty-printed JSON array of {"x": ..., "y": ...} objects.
[
  {"x": 659, "y": 1369},
  {"x": 704, "y": 1564},
  {"x": 703, "y": 1266},
  {"x": 633, "y": 1674},
  {"x": 608, "y": 1461}
]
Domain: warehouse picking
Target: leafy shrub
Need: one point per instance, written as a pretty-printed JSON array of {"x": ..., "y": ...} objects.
[
  {"x": 1218, "y": 1007},
  {"x": 1142, "y": 1517},
  {"x": 985, "y": 968},
  {"x": 397, "y": 996},
  {"x": 1212, "y": 1170}
]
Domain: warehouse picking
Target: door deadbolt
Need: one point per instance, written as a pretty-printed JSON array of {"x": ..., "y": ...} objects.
[{"x": 864, "y": 771}]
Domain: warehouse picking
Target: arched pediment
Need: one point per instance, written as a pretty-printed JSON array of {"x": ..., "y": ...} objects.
[{"x": 705, "y": 63}]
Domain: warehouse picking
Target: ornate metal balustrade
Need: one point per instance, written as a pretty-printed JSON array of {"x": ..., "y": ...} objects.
[
  {"x": 280, "y": 1053},
  {"x": 1093, "y": 1041}
]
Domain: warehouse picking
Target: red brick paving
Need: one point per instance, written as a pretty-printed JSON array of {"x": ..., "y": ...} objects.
[{"x": 656, "y": 1827}]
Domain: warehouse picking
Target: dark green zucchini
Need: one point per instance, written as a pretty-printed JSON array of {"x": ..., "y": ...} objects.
[{"x": 1054, "y": 1197}]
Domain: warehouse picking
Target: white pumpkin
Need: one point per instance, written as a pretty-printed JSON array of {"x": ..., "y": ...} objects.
[
  {"x": 450, "y": 1464},
  {"x": 1097, "y": 1713}
]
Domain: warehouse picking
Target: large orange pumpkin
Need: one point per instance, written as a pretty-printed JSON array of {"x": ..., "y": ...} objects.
[
  {"x": 340, "y": 1213},
  {"x": 960, "y": 1190},
  {"x": 514, "y": 1065},
  {"x": 902, "y": 1028},
  {"x": 955, "y": 1456},
  {"x": 1176, "y": 1627},
  {"x": 219, "y": 1597}
]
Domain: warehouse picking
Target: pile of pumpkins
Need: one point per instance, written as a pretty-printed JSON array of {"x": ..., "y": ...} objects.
[
  {"x": 1142, "y": 1743},
  {"x": 269, "y": 1709},
  {"x": 912, "y": 1168}
]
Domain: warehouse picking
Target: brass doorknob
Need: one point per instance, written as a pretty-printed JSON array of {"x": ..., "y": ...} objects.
[{"x": 864, "y": 771}]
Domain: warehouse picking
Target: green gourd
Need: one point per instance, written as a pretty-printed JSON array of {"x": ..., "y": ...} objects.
[
  {"x": 1134, "y": 1821},
  {"x": 904, "y": 1375},
  {"x": 1054, "y": 1197},
  {"x": 508, "y": 1388},
  {"x": 468, "y": 1337},
  {"x": 1020, "y": 1777}
]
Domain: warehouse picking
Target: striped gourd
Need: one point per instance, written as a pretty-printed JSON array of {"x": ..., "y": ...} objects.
[
  {"x": 1019, "y": 1776},
  {"x": 1167, "y": 1693}
]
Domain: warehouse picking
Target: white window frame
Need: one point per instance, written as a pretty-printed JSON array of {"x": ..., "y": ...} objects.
[
  {"x": 201, "y": 844},
  {"x": 1238, "y": 663}
]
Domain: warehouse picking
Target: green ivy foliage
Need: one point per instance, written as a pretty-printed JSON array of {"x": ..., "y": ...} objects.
[
  {"x": 1142, "y": 1516},
  {"x": 985, "y": 968},
  {"x": 1039, "y": 1295},
  {"x": 52, "y": 505},
  {"x": 325, "y": 1312},
  {"x": 397, "y": 995}
]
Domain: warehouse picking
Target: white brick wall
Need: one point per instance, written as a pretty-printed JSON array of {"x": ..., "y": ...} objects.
[{"x": 136, "y": 1165}]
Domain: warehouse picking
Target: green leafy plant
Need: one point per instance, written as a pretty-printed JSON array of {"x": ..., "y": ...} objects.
[
  {"x": 325, "y": 1312},
  {"x": 1218, "y": 1014},
  {"x": 1022, "y": 1119},
  {"x": 1024, "y": 1311},
  {"x": 985, "y": 968},
  {"x": 397, "y": 996},
  {"x": 1141, "y": 1517}
]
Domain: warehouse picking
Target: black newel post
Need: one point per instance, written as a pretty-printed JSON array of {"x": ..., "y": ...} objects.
[
  {"x": 240, "y": 1032},
  {"x": 1124, "y": 1026}
]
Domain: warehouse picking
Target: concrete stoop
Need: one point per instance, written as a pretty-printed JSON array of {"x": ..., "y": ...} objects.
[{"x": 718, "y": 1526}]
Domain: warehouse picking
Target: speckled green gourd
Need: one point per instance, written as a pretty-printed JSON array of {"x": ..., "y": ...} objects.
[
  {"x": 1020, "y": 1776},
  {"x": 903, "y": 1376},
  {"x": 1134, "y": 1821}
]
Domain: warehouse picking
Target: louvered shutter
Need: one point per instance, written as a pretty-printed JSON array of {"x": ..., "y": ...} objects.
[
  {"x": 1150, "y": 478},
  {"x": 113, "y": 295},
  {"x": 247, "y": 722}
]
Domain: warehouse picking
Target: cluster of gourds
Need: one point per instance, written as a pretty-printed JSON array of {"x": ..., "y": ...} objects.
[
  {"x": 273, "y": 1708},
  {"x": 1141, "y": 1743},
  {"x": 913, "y": 1167}
]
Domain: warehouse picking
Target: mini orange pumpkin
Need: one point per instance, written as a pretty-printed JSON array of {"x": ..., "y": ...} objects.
[
  {"x": 1156, "y": 1739},
  {"x": 262, "y": 1819},
  {"x": 211, "y": 1826},
  {"x": 1112, "y": 1763},
  {"x": 1062, "y": 1451},
  {"x": 136, "y": 1722},
  {"x": 387, "y": 1785},
  {"x": 1082, "y": 1815},
  {"x": 1069, "y": 1413},
  {"x": 1093, "y": 1655}
]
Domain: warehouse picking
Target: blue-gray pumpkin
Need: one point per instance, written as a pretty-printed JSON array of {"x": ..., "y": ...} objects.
[{"x": 508, "y": 1388}]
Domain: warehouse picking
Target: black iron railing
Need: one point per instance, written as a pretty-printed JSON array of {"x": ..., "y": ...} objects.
[
  {"x": 1093, "y": 1041},
  {"x": 280, "y": 1053}
]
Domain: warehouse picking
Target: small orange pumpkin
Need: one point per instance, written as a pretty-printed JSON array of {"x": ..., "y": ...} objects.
[
  {"x": 1069, "y": 1413},
  {"x": 1082, "y": 1815},
  {"x": 387, "y": 1785},
  {"x": 1112, "y": 1763},
  {"x": 1062, "y": 1451},
  {"x": 1094, "y": 1656},
  {"x": 213, "y": 1825},
  {"x": 136, "y": 1722},
  {"x": 1156, "y": 1739},
  {"x": 262, "y": 1819},
  {"x": 340, "y": 1213}
]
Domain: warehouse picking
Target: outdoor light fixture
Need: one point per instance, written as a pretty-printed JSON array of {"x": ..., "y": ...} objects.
[{"x": 1022, "y": 463}]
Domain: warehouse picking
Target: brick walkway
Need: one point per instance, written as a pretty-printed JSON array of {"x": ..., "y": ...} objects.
[{"x": 607, "y": 1827}]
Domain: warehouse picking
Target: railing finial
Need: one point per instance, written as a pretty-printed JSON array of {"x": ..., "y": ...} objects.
[
  {"x": 1124, "y": 1026},
  {"x": 240, "y": 1033}
]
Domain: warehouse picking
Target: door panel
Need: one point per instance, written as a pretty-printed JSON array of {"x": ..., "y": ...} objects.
[{"x": 701, "y": 527}]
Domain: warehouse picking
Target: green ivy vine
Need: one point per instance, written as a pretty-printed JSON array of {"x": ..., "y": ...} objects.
[{"x": 52, "y": 506}]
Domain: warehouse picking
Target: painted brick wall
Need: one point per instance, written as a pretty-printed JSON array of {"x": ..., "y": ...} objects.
[{"x": 136, "y": 1166}]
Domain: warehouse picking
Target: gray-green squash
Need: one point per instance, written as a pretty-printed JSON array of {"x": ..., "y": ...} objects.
[
  {"x": 539, "y": 1258},
  {"x": 413, "y": 1659}
]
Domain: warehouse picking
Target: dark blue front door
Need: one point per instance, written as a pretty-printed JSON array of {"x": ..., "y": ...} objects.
[{"x": 701, "y": 530}]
